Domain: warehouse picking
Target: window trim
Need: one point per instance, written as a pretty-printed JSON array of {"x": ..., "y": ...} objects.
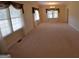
[
  {"x": 12, "y": 31},
  {"x": 53, "y": 9},
  {"x": 33, "y": 8}
]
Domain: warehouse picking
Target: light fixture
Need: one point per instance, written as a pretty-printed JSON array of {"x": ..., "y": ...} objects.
[
  {"x": 51, "y": 3},
  {"x": 52, "y": 6}
]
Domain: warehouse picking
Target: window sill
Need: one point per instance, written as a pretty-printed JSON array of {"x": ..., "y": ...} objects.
[{"x": 12, "y": 33}]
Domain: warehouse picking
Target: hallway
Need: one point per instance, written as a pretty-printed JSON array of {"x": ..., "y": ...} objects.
[{"x": 48, "y": 40}]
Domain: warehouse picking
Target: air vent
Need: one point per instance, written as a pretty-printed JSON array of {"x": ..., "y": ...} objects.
[{"x": 19, "y": 40}]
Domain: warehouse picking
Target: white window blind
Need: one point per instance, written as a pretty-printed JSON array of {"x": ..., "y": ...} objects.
[
  {"x": 49, "y": 14},
  {"x": 4, "y": 22},
  {"x": 16, "y": 18},
  {"x": 36, "y": 15},
  {"x": 52, "y": 13},
  {"x": 55, "y": 14}
]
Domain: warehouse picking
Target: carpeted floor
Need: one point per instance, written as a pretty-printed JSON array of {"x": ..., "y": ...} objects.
[{"x": 48, "y": 40}]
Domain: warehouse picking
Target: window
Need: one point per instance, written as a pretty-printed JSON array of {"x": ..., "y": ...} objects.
[
  {"x": 11, "y": 17},
  {"x": 16, "y": 18},
  {"x": 4, "y": 22},
  {"x": 36, "y": 15},
  {"x": 52, "y": 13}
]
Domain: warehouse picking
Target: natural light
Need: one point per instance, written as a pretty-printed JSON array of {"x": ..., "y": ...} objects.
[
  {"x": 52, "y": 14},
  {"x": 4, "y": 22},
  {"x": 16, "y": 18},
  {"x": 11, "y": 20},
  {"x": 36, "y": 15}
]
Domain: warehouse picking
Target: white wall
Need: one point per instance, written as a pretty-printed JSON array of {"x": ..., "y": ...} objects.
[
  {"x": 28, "y": 16},
  {"x": 28, "y": 19},
  {"x": 3, "y": 48},
  {"x": 74, "y": 15}
]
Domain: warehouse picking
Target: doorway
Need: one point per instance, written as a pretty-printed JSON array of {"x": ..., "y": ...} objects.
[{"x": 36, "y": 16}]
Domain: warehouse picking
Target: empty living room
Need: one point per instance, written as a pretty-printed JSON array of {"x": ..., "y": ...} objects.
[{"x": 39, "y": 29}]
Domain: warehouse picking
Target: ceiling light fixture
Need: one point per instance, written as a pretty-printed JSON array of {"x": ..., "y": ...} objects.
[
  {"x": 52, "y": 6},
  {"x": 51, "y": 3}
]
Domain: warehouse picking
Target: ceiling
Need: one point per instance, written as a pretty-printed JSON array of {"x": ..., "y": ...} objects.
[
  {"x": 46, "y": 2},
  {"x": 53, "y": 2}
]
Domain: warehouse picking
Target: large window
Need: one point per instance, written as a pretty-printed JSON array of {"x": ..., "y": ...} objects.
[
  {"x": 52, "y": 13},
  {"x": 5, "y": 26},
  {"x": 16, "y": 18},
  {"x": 11, "y": 18}
]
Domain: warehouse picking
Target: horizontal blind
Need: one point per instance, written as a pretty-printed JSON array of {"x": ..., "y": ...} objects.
[
  {"x": 4, "y": 22},
  {"x": 16, "y": 18}
]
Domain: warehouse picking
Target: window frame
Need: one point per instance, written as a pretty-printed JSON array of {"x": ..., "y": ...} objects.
[
  {"x": 10, "y": 24},
  {"x": 15, "y": 18},
  {"x": 55, "y": 9},
  {"x": 33, "y": 8},
  {"x": 10, "y": 21}
]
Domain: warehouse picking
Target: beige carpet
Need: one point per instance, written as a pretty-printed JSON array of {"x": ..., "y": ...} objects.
[{"x": 48, "y": 40}]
